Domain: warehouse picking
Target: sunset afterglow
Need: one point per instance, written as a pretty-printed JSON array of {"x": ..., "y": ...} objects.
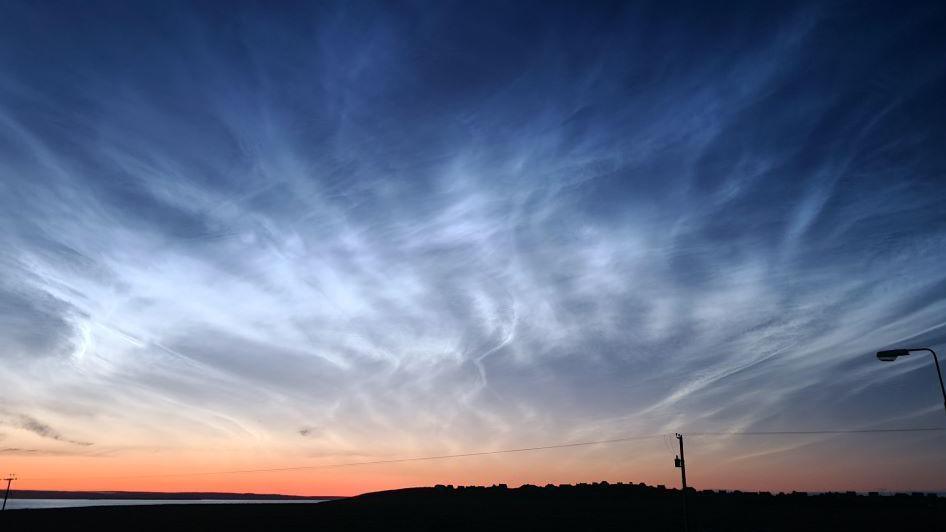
[{"x": 241, "y": 237}]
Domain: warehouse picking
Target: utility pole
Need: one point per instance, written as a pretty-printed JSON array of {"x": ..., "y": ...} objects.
[
  {"x": 681, "y": 463},
  {"x": 10, "y": 478}
]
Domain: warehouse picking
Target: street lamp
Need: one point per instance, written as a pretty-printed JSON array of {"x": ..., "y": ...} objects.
[{"x": 894, "y": 354}]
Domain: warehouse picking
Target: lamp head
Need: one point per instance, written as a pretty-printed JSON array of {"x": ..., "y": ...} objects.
[{"x": 892, "y": 354}]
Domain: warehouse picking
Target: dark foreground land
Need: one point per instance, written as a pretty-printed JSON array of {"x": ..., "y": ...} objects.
[{"x": 581, "y": 507}]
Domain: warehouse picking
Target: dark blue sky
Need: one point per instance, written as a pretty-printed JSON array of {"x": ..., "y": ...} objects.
[{"x": 467, "y": 225}]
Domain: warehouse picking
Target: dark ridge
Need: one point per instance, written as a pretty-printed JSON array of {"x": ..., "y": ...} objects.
[{"x": 599, "y": 506}]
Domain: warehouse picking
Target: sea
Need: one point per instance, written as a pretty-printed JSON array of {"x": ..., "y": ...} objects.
[{"x": 37, "y": 504}]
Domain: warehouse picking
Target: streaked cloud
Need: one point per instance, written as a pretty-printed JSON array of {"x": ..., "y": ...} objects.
[{"x": 351, "y": 229}]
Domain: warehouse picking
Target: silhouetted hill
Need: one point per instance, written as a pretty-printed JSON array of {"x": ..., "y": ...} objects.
[{"x": 580, "y": 507}]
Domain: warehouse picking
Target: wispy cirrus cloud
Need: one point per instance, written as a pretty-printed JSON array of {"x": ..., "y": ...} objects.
[{"x": 312, "y": 230}]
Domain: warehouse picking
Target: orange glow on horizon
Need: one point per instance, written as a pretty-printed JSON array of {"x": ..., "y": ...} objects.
[{"x": 160, "y": 472}]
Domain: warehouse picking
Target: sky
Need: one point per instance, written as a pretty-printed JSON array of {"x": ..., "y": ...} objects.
[{"x": 271, "y": 235}]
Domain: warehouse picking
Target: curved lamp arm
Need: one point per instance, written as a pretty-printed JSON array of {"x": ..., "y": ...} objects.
[{"x": 939, "y": 372}]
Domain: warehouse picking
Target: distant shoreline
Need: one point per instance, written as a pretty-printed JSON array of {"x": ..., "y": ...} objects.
[
  {"x": 592, "y": 507},
  {"x": 161, "y": 495}
]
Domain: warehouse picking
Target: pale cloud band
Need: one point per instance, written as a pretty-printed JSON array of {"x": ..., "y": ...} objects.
[{"x": 355, "y": 231}]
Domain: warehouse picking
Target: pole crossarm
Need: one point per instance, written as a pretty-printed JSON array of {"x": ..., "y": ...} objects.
[
  {"x": 681, "y": 463},
  {"x": 10, "y": 478}
]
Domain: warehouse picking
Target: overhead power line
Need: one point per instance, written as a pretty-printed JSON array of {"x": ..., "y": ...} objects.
[
  {"x": 386, "y": 461},
  {"x": 515, "y": 450},
  {"x": 804, "y": 432}
]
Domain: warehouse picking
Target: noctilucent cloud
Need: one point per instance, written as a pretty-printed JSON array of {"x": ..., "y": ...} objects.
[{"x": 251, "y": 235}]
